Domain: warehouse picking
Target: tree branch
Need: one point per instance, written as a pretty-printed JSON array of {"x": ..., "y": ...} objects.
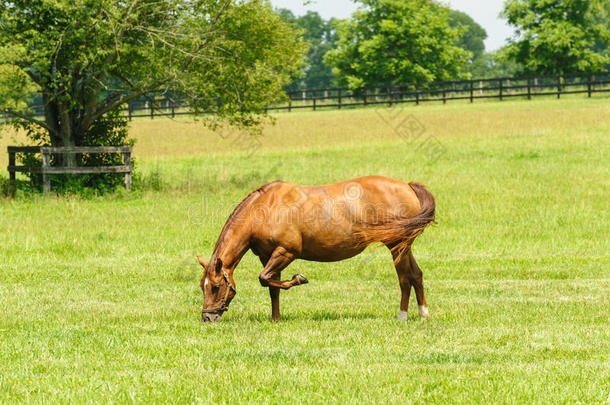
[
  {"x": 27, "y": 118},
  {"x": 87, "y": 121}
]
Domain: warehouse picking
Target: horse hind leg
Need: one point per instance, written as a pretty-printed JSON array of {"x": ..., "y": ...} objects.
[
  {"x": 402, "y": 270},
  {"x": 417, "y": 279},
  {"x": 410, "y": 275}
]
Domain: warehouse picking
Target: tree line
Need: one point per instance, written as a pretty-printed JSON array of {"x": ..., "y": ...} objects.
[{"x": 388, "y": 42}]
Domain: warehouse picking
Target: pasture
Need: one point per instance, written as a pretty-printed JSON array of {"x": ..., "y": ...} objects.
[{"x": 100, "y": 298}]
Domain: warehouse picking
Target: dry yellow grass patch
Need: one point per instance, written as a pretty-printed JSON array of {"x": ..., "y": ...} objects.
[
  {"x": 162, "y": 138},
  {"x": 320, "y": 130}
]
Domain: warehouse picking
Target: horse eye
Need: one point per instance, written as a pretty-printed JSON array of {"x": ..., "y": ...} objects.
[{"x": 215, "y": 288}]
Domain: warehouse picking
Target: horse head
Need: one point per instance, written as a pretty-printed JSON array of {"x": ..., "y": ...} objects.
[{"x": 218, "y": 289}]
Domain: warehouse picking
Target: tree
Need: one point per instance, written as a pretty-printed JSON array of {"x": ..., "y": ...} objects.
[
  {"x": 498, "y": 65},
  {"x": 390, "y": 42},
  {"x": 229, "y": 59},
  {"x": 471, "y": 39},
  {"x": 555, "y": 36},
  {"x": 321, "y": 36},
  {"x": 600, "y": 14}
]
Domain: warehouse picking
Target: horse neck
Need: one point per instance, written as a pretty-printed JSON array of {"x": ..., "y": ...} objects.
[
  {"x": 234, "y": 240},
  {"x": 232, "y": 244}
]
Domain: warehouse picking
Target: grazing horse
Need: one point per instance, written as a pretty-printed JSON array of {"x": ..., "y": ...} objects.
[{"x": 281, "y": 222}]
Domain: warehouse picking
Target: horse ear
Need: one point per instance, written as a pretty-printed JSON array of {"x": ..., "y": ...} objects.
[
  {"x": 218, "y": 265},
  {"x": 202, "y": 262}
]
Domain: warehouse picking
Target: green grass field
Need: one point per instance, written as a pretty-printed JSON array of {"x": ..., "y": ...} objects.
[{"x": 100, "y": 302}]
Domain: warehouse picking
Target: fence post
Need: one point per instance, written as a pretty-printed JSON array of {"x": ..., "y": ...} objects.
[
  {"x": 129, "y": 109},
  {"x": 339, "y": 99},
  {"x": 46, "y": 180},
  {"x": 364, "y": 100},
  {"x": 500, "y": 81},
  {"x": 127, "y": 162},
  {"x": 11, "y": 173},
  {"x": 390, "y": 95},
  {"x": 589, "y": 78},
  {"x": 152, "y": 111},
  {"x": 444, "y": 93},
  {"x": 289, "y": 105},
  {"x": 416, "y": 94},
  {"x": 472, "y": 91},
  {"x": 529, "y": 88},
  {"x": 173, "y": 108},
  {"x": 559, "y": 86},
  {"x": 314, "y": 103}
]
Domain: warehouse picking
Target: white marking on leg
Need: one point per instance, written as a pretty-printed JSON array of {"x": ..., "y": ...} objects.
[
  {"x": 205, "y": 283},
  {"x": 423, "y": 311},
  {"x": 402, "y": 316}
]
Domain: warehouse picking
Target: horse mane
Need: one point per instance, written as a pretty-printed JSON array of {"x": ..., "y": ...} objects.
[{"x": 237, "y": 211}]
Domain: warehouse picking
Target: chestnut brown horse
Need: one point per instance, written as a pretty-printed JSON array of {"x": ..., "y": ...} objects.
[{"x": 281, "y": 222}]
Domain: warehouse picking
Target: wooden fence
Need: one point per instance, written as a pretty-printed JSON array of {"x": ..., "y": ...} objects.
[
  {"x": 337, "y": 98},
  {"x": 470, "y": 90},
  {"x": 46, "y": 169}
]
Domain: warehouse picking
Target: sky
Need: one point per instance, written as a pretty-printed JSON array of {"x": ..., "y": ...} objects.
[{"x": 484, "y": 12}]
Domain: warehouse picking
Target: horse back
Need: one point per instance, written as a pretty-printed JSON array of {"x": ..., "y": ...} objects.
[{"x": 321, "y": 222}]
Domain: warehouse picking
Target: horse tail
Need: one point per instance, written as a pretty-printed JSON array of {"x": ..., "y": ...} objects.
[{"x": 398, "y": 233}]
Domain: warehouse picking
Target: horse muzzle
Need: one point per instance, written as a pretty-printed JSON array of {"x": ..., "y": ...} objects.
[{"x": 211, "y": 317}]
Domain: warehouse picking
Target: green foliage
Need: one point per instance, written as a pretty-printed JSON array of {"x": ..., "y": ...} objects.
[
  {"x": 472, "y": 39},
  {"x": 4, "y": 187},
  {"x": 15, "y": 87},
  {"x": 228, "y": 59},
  {"x": 557, "y": 36},
  {"x": 392, "y": 41},
  {"x": 321, "y": 35},
  {"x": 497, "y": 64},
  {"x": 600, "y": 14}
]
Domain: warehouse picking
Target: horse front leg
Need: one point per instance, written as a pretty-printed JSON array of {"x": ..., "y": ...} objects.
[
  {"x": 274, "y": 294},
  {"x": 270, "y": 277}
]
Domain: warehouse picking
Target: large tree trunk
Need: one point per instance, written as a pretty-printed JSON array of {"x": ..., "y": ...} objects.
[
  {"x": 61, "y": 132},
  {"x": 67, "y": 138}
]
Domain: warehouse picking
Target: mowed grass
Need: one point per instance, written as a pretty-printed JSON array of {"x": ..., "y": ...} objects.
[{"x": 100, "y": 302}]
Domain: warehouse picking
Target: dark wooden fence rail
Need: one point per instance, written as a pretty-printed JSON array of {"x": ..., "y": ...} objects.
[
  {"x": 478, "y": 89},
  {"x": 471, "y": 90},
  {"x": 46, "y": 169}
]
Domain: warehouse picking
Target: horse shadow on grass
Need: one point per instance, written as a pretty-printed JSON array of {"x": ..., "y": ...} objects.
[{"x": 317, "y": 315}]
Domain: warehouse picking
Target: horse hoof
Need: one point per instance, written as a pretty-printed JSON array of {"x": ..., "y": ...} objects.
[{"x": 300, "y": 279}]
